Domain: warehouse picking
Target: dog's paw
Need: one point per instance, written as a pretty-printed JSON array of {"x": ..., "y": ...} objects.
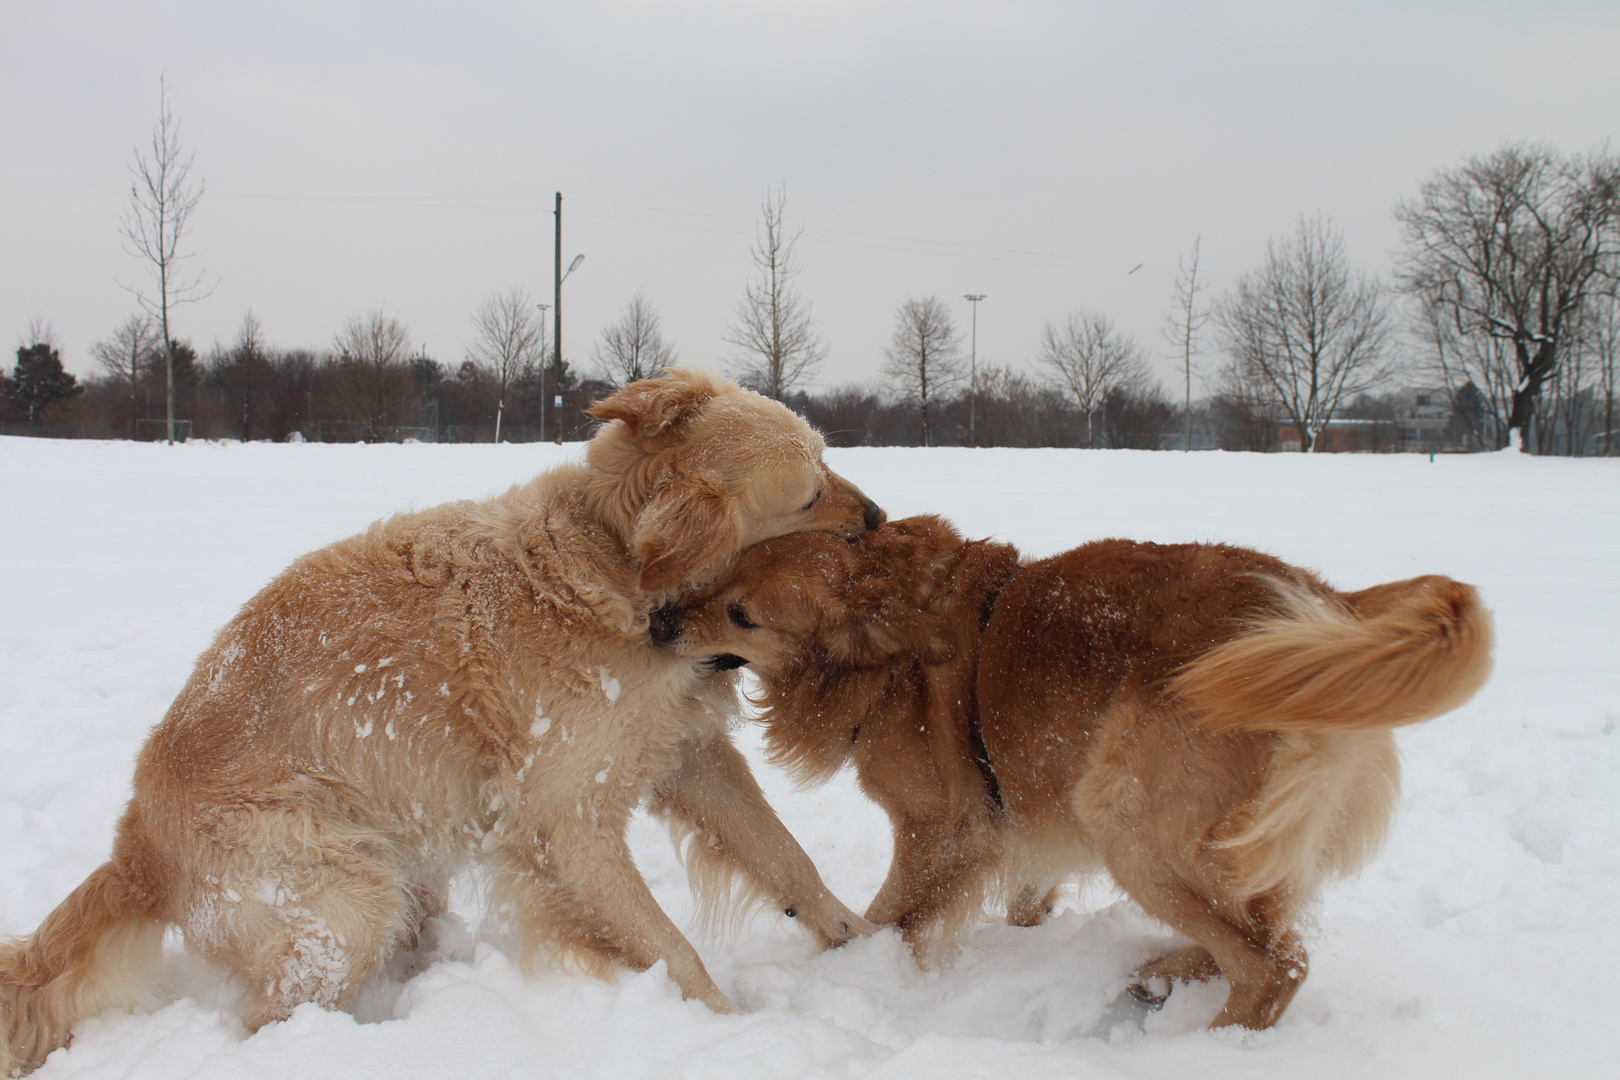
[
  {"x": 837, "y": 929},
  {"x": 849, "y": 928},
  {"x": 1130, "y": 1009},
  {"x": 718, "y": 1002},
  {"x": 1152, "y": 992}
]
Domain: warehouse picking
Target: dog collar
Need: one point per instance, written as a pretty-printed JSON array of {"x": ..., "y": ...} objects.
[{"x": 981, "y": 753}]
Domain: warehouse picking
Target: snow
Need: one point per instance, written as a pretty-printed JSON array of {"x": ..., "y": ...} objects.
[{"x": 1484, "y": 941}]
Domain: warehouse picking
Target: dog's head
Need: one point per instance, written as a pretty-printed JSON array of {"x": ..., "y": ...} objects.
[
  {"x": 693, "y": 470},
  {"x": 810, "y": 599}
]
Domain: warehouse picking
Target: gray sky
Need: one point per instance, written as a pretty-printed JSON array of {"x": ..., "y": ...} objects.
[{"x": 404, "y": 154}]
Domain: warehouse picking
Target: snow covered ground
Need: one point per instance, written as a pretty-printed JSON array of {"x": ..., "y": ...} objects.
[{"x": 1483, "y": 942}]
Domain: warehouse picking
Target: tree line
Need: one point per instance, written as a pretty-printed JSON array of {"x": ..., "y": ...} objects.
[
  {"x": 372, "y": 385},
  {"x": 1500, "y": 327}
]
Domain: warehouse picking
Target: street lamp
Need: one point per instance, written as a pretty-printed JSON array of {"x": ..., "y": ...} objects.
[{"x": 973, "y": 383}]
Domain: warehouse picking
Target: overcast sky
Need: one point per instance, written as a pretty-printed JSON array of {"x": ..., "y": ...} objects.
[{"x": 1053, "y": 156}]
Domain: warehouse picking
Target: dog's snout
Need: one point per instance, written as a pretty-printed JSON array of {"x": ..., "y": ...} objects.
[
  {"x": 664, "y": 624},
  {"x": 874, "y": 513}
]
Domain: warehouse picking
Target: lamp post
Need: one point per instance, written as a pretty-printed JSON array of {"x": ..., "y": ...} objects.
[
  {"x": 543, "y": 308},
  {"x": 556, "y": 311},
  {"x": 973, "y": 377}
]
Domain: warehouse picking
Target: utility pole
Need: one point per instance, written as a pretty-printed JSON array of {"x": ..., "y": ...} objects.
[
  {"x": 542, "y": 308},
  {"x": 556, "y": 319},
  {"x": 973, "y": 376},
  {"x": 556, "y": 315}
]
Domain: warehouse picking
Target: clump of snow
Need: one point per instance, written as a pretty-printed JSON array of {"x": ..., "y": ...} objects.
[
  {"x": 1482, "y": 942},
  {"x": 610, "y": 685}
]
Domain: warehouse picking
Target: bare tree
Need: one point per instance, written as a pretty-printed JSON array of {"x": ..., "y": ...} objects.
[
  {"x": 1243, "y": 410},
  {"x": 374, "y": 372},
  {"x": 244, "y": 373},
  {"x": 41, "y": 331},
  {"x": 1577, "y": 402},
  {"x": 1016, "y": 409},
  {"x": 161, "y": 202},
  {"x": 1567, "y": 397},
  {"x": 1306, "y": 328},
  {"x": 1606, "y": 346},
  {"x": 1184, "y": 327},
  {"x": 128, "y": 356},
  {"x": 924, "y": 358},
  {"x": 508, "y": 343},
  {"x": 633, "y": 347},
  {"x": 1135, "y": 417},
  {"x": 1478, "y": 369},
  {"x": 1507, "y": 249},
  {"x": 1088, "y": 360},
  {"x": 773, "y": 327}
]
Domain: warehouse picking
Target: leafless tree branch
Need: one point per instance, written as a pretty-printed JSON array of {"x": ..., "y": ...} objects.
[
  {"x": 773, "y": 327},
  {"x": 1510, "y": 248},
  {"x": 924, "y": 358},
  {"x": 633, "y": 347},
  {"x": 508, "y": 342},
  {"x": 1088, "y": 359},
  {"x": 161, "y": 202},
  {"x": 1306, "y": 328}
]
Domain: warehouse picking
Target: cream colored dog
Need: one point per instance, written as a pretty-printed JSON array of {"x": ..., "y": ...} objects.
[{"x": 473, "y": 682}]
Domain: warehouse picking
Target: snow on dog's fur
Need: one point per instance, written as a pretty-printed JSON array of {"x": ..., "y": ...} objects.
[
  {"x": 469, "y": 682},
  {"x": 1210, "y": 724}
]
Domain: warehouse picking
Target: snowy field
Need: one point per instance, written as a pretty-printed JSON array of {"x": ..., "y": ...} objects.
[{"x": 1483, "y": 942}]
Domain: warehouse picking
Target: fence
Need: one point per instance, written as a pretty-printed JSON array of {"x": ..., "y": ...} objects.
[
  {"x": 65, "y": 429},
  {"x": 327, "y": 431}
]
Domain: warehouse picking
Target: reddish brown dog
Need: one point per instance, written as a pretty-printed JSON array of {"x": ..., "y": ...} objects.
[{"x": 1210, "y": 724}]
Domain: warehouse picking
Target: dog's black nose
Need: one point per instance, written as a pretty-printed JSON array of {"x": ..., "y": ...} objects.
[
  {"x": 874, "y": 514},
  {"x": 664, "y": 624}
]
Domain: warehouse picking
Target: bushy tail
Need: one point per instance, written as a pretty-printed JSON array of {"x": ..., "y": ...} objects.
[
  {"x": 1390, "y": 655},
  {"x": 97, "y": 951}
]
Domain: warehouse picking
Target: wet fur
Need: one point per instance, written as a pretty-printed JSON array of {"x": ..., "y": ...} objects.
[
  {"x": 472, "y": 683},
  {"x": 1208, "y": 723}
]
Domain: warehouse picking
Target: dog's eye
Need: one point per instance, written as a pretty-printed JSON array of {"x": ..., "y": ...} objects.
[
  {"x": 813, "y": 500},
  {"x": 740, "y": 619}
]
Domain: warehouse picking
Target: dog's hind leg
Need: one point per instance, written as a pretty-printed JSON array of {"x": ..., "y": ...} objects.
[
  {"x": 1261, "y": 957},
  {"x": 1030, "y": 904},
  {"x": 1154, "y": 980},
  {"x": 713, "y": 797},
  {"x": 311, "y": 928}
]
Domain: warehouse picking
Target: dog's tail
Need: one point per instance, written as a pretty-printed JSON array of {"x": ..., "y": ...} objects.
[
  {"x": 97, "y": 951},
  {"x": 1390, "y": 655}
]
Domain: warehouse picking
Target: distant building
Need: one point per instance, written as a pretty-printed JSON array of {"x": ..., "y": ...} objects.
[
  {"x": 1413, "y": 420},
  {"x": 1342, "y": 437},
  {"x": 1425, "y": 420}
]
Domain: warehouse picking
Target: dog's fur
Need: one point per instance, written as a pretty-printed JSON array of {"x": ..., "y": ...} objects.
[
  {"x": 472, "y": 682},
  {"x": 1210, "y": 724}
]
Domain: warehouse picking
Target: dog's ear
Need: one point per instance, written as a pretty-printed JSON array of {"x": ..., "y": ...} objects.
[
  {"x": 876, "y": 623},
  {"x": 687, "y": 527},
  {"x": 914, "y": 555},
  {"x": 651, "y": 407}
]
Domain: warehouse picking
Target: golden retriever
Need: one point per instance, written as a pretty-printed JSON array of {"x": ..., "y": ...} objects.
[
  {"x": 469, "y": 683},
  {"x": 1210, "y": 724}
]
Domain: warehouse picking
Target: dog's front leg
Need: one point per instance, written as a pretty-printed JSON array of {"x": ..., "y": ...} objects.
[
  {"x": 712, "y": 793},
  {"x": 578, "y": 886},
  {"x": 908, "y": 890},
  {"x": 935, "y": 884}
]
